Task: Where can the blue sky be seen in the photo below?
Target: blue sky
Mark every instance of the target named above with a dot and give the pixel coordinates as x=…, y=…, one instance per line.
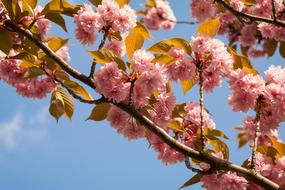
x=39, y=154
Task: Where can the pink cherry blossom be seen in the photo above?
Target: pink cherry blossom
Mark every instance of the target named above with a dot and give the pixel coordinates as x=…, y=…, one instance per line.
x=125, y=124
x=183, y=68
x=245, y=89
x=109, y=82
x=160, y=17
x=142, y=60
x=164, y=152
x=202, y=10
x=87, y=23
x=278, y=172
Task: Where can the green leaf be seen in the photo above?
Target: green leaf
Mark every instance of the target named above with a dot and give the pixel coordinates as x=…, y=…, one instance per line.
x=123, y=2
x=32, y=3
x=178, y=110
x=215, y=133
x=248, y=2
x=60, y=6
x=6, y=41
x=179, y=42
x=270, y=47
x=24, y=56
x=68, y=103
x=33, y=72
x=176, y=125
x=140, y=28
x=105, y=56
x=55, y=43
x=95, y=2
x=27, y=9
x=187, y=85
x=209, y=28
x=78, y=89
x=219, y=146
x=282, y=49
x=57, y=19
x=8, y=6
x=99, y=113
x=268, y=151
x=160, y=47
x=242, y=137
x=279, y=146
x=195, y=179
x=133, y=42
x=242, y=62
x=164, y=58
x=165, y=45
x=56, y=108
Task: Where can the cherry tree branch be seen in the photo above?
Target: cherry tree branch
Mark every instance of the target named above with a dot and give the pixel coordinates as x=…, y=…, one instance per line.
x=250, y=17
x=257, y=130
x=65, y=66
x=201, y=93
x=101, y=45
x=202, y=156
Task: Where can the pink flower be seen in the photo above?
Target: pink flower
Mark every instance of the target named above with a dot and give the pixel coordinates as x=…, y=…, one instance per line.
x=125, y=20
x=226, y=181
x=42, y=24
x=35, y=87
x=160, y=17
x=142, y=60
x=12, y=73
x=275, y=74
x=109, y=11
x=183, y=68
x=117, y=47
x=109, y=82
x=216, y=60
x=193, y=116
x=263, y=164
x=63, y=53
x=165, y=153
x=152, y=79
x=87, y=23
x=202, y=10
x=248, y=35
x=162, y=111
x=278, y=172
x=245, y=90
x=125, y=124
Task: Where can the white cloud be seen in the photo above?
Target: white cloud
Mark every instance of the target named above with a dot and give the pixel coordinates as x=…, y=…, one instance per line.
x=10, y=131
x=21, y=130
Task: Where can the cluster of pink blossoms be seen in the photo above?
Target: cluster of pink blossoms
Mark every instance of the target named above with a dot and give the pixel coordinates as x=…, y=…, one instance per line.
x=253, y=36
x=248, y=90
x=215, y=59
x=184, y=68
x=12, y=73
x=160, y=16
x=108, y=17
x=42, y=24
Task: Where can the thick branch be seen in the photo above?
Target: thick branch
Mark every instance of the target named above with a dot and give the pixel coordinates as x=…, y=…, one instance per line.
x=250, y=16
x=202, y=156
x=217, y=163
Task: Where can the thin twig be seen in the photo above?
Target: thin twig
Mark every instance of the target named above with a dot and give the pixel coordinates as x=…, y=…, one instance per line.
x=201, y=93
x=273, y=10
x=202, y=172
x=101, y=45
x=250, y=16
x=256, y=133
